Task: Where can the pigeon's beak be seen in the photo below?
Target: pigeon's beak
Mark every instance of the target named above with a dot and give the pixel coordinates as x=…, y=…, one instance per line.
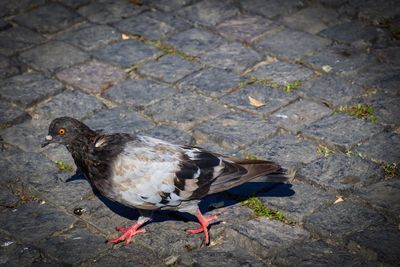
x=47, y=140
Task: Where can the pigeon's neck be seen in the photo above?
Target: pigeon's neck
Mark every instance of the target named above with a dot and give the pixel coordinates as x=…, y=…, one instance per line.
x=81, y=144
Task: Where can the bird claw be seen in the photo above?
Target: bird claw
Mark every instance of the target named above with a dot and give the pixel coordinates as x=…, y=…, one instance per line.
x=204, y=222
x=128, y=233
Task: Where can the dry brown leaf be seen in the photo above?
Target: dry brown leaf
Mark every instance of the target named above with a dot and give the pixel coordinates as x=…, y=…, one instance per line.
x=338, y=200
x=124, y=36
x=255, y=102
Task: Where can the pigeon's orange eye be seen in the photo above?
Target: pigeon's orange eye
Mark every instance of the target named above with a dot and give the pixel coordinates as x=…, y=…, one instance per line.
x=61, y=131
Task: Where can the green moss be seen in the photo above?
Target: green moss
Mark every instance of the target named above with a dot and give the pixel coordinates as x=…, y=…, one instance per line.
x=324, y=151
x=260, y=209
x=4, y=126
x=168, y=49
x=390, y=169
x=362, y=111
x=290, y=86
x=64, y=166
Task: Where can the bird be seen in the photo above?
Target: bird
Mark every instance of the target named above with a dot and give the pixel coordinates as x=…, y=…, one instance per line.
x=150, y=174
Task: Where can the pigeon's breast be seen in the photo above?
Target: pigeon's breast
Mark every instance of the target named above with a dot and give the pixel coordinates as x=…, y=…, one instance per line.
x=143, y=177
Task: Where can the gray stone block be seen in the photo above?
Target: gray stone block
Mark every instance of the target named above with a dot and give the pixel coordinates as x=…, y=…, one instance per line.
x=168, y=6
x=126, y=53
x=48, y=220
x=184, y=110
x=50, y=18
x=343, y=59
x=170, y=134
x=212, y=82
x=349, y=32
x=281, y=44
x=91, y=37
x=272, y=9
x=71, y=247
x=232, y=56
x=380, y=242
x=152, y=25
x=139, y=93
x=264, y=237
x=169, y=68
x=312, y=19
x=208, y=12
x=234, y=130
x=9, y=7
x=93, y=77
x=342, y=130
x=17, y=39
x=53, y=56
x=282, y=72
x=383, y=147
x=384, y=195
x=306, y=200
x=332, y=90
x=341, y=220
x=29, y=88
x=341, y=172
x=245, y=28
x=11, y=115
x=119, y=119
x=8, y=198
x=272, y=99
x=69, y=103
x=9, y=67
x=195, y=41
x=132, y=255
x=285, y=149
x=299, y=114
x=317, y=253
x=16, y=254
x=109, y=11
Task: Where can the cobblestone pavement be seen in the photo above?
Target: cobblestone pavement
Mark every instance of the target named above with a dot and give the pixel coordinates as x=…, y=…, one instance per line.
x=311, y=84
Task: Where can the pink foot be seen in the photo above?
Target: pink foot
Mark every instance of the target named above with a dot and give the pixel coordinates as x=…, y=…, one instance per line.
x=128, y=233
x=204, y=222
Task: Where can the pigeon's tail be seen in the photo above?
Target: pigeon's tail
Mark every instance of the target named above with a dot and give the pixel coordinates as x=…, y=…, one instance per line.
x=251, y=169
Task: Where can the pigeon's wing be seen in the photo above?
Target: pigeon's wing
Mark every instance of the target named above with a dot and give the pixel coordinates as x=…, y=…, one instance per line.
x=150, y=173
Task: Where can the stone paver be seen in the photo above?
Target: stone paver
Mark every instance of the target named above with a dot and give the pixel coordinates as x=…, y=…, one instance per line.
x=91, y=37
x=169, y=68
x=341, y=220
x=342, y=172
x=195, y=41
x=29, y=88
x=270, y=98
x=245, y=78
x=50, y=18
x=342, y=130
x=52, y=57
x=126, y=53
x=139, y=93
x=17, y=39
x=92, y=77
x=244, y=28
x=279, y=44
x=212, y=82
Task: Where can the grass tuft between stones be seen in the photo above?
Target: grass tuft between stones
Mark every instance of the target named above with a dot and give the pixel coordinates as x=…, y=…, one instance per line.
x=390, y=169
x=259, y=209
x=324, y=151
x=362, y=111
x=64, y=166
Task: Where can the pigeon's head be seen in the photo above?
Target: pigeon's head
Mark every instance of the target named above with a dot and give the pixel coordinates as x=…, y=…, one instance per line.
x=64, y=130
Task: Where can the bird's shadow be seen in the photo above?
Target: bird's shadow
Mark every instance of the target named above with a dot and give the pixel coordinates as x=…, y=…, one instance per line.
x=219, y=200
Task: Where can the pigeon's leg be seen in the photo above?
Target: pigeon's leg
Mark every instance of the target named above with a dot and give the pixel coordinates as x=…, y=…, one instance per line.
x=129, y=232
x=204, y=222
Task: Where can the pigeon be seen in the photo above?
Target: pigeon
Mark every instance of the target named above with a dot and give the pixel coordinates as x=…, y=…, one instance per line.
x=151, y=174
